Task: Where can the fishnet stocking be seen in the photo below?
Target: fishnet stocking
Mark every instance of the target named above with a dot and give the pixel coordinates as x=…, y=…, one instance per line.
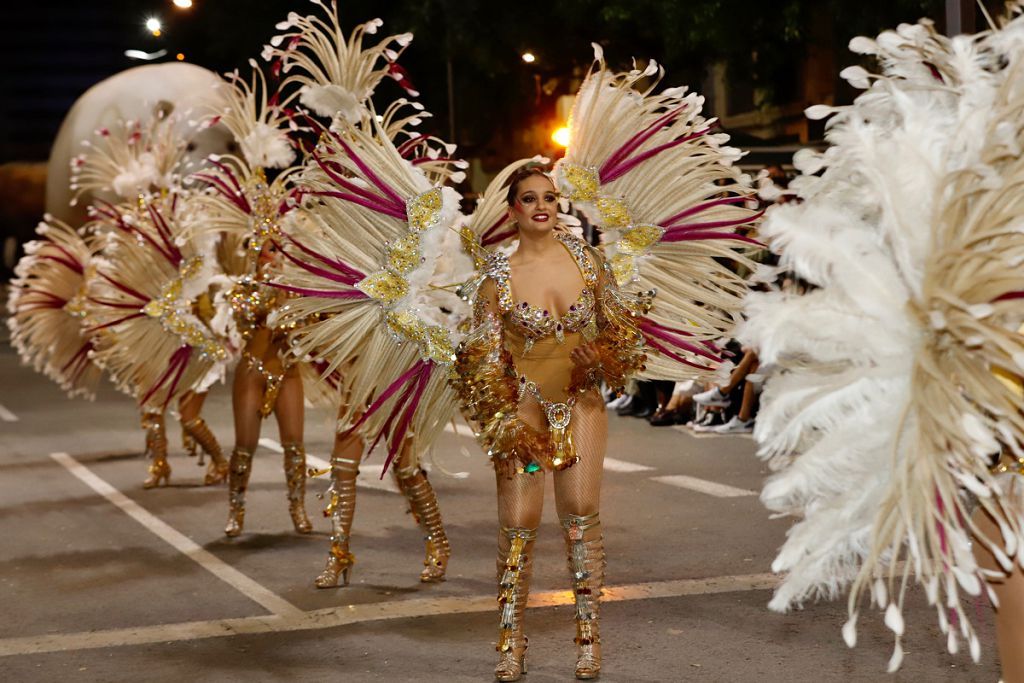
x=578, y=488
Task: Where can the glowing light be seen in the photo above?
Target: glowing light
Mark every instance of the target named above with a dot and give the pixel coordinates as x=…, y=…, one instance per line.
x=529, y=57
x=561, y=136
x=154, y=26
x=147, y=56
x=183, y=4
x=180, y=56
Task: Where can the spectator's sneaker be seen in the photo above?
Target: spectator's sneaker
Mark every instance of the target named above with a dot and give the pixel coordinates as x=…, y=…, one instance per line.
x=710, y=420
x=615, y=401
x=621, y=402
x=712, y=397
x=735, y=426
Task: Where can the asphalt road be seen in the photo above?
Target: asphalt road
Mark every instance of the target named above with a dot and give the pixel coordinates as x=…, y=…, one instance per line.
x=101, y=580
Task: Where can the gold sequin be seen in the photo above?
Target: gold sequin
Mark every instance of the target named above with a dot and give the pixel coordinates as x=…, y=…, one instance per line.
x=404, y=254
x=424, y=211
x=623, y=268
x=385, y=286
x=584, y=182
x=639, y=239
x=614, y=213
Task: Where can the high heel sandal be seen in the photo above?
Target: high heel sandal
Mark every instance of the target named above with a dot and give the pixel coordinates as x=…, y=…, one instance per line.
x=512, y=666
x=339, y=565
x=156, y=450
x=199, y=432
x=514, y=568
x=238, y=480
x=158, y=471
x=586, y=565
x=295, y=476
x=413, y=484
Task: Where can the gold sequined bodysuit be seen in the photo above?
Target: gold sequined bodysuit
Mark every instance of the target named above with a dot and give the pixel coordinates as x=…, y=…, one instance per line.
x=516, y=378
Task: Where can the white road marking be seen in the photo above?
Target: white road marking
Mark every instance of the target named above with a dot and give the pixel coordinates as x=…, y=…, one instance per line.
x=6, y=415
x=353, y=614
x=180, y=542
x=711, y=488
x=460, y=429
x=369, y=477
x=613, y=465
x=683, y=429
x=273, y=445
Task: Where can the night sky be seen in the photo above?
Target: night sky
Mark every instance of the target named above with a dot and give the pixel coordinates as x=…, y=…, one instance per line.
x=54, y=51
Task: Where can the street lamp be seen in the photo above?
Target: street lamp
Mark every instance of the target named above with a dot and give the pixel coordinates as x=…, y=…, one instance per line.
x=154, y=26
x=561, y=136
x=183, y=4
x=529, y=57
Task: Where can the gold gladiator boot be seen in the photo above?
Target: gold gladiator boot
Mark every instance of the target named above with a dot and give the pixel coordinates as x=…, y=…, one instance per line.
x=239, y=470
x=585, y=549
x=295, y=476
x=156, y=450
x=199, y=432
x=514, y=568
x=188, y=443
x=418, y=492
x=341, y=509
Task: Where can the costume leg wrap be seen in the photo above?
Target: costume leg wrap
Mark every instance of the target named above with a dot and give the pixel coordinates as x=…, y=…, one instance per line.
x=418, y=492
x=295, y=476
x=189, y=444
x=515, y=566
x=200, y=432
x=156, y=449
x=586, y=559
x=240, y=468
x=341, y=508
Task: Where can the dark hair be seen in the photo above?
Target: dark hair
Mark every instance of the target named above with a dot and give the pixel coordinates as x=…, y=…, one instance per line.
x=518, y=177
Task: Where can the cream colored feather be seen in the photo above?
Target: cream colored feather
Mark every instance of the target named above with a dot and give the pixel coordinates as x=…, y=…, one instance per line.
x=882, y=414
x=46, y=307
x=651, y=173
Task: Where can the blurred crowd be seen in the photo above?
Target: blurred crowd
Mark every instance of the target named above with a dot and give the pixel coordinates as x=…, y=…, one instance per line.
x=726, y=406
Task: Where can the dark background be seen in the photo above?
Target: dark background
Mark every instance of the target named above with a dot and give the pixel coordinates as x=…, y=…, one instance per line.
x=53, y=51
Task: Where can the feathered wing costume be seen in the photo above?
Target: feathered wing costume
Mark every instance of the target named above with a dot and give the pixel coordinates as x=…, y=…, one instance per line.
x=374, y=270
x=142, y=306
x=246, y=206
x=886, y=412
x=46, y=309
x=388, y=300
x=650, y=172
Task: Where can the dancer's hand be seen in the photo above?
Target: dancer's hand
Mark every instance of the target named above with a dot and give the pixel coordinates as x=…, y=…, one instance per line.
x=585, y=356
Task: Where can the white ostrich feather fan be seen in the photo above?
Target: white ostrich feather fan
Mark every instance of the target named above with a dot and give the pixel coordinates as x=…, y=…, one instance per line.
x=882, y=415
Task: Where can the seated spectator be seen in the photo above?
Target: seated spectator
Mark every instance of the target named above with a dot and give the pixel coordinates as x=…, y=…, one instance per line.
x=722, y=396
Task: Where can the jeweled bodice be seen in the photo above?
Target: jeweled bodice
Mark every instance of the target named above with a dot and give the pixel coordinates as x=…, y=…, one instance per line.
x=535, y=323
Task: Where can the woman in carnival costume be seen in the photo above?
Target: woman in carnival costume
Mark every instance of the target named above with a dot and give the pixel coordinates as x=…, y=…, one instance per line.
x=554, y=319
x=247, y=205
x=892, y=412
x=130, y=161
x=335, y=78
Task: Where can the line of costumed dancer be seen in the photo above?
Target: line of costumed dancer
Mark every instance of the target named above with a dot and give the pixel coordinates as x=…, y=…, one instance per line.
x=328, y=260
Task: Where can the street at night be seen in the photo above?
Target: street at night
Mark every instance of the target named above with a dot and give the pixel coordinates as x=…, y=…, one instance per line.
x=104, y=581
